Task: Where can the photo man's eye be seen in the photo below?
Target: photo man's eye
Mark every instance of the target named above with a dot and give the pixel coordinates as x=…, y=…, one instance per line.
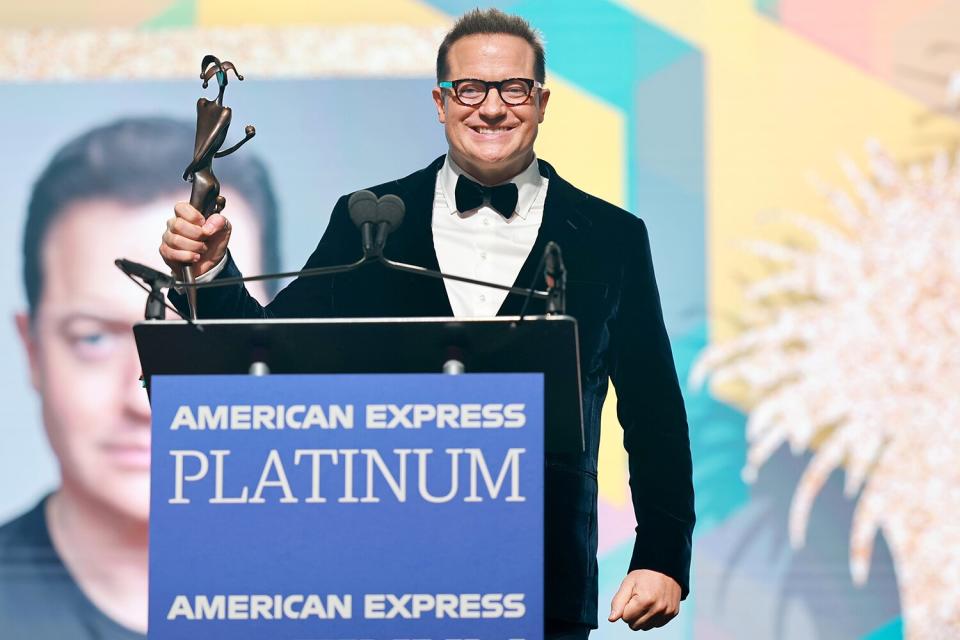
x=92, y=339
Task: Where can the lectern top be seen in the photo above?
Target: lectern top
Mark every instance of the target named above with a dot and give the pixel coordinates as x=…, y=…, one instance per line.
x=546, y=344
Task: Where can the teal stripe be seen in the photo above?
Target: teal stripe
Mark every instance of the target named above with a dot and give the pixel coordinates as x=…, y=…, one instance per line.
x=180, y=13
x=893, y=630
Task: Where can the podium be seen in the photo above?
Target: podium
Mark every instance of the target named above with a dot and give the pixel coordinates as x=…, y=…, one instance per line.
x=355, y=490
x=544, y=344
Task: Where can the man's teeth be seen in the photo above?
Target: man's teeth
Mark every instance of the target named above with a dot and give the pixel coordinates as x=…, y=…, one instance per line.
x=489, y=131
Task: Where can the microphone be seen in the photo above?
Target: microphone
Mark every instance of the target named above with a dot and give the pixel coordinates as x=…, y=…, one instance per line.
x=157, y=281
x=390, y=210
x=555, y=273
x=147, y=274
x=376, y=218
x=363, y=206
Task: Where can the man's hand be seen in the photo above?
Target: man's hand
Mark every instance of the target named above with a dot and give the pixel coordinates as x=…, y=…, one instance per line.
x=646, y=600
x=189, y=239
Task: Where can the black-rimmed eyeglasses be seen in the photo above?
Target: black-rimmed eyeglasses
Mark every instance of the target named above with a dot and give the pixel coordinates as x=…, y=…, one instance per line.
x=471, y=92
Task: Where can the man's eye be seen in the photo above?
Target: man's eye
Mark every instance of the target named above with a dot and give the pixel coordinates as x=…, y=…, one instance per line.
x=93, y=345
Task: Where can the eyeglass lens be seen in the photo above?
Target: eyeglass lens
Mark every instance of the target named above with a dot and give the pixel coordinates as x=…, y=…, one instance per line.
x=512, y=91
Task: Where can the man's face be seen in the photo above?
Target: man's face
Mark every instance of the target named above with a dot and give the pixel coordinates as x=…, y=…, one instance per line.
x=83, y=360
x=493, y=141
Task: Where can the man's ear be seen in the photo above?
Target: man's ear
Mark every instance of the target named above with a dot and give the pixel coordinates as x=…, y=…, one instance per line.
x=25, y=330
x=544, y=97
x=439, y=99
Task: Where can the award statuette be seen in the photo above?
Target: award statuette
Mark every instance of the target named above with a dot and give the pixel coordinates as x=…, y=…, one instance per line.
x=213, y=120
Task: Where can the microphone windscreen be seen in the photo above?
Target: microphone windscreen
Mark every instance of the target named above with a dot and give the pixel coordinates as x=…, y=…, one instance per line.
x=142, y=271
x=552, y=259
x=390, y=209
x=363, y=207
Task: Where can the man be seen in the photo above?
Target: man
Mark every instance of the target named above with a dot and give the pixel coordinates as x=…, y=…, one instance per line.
x=75, y=566
x=490, y=99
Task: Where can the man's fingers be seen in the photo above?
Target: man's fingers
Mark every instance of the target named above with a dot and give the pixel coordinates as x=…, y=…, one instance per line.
x=188, y=213
x=175, y=241
x=652, y=622
x=620, y=600
x=177, y=256
x=181, y=227
x=638, y=608
x=660, y=620
x=657, y=614
x=192, y=239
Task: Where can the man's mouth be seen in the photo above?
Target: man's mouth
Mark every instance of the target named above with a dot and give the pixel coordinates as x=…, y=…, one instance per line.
x=491, y=131
x=130, y=455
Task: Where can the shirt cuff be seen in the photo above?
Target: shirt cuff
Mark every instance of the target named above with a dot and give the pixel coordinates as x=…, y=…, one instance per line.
x=209, y=275
x=215, y=271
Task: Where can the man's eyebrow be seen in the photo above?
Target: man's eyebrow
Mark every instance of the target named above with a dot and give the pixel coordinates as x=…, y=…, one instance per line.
x=74, y=316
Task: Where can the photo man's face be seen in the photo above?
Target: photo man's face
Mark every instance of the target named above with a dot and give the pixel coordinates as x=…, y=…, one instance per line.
x=83, y=359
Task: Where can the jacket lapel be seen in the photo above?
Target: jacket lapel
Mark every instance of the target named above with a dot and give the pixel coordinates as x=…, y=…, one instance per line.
x=562, y=221
x=413, y=244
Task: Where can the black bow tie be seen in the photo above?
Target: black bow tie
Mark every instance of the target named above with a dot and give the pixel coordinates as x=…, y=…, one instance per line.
x=471, y=195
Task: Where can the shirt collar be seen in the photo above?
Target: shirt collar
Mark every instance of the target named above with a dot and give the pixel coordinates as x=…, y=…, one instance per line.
x=529, y=181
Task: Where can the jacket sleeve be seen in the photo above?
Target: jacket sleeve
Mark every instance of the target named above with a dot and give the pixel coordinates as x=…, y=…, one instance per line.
x=650, y=410
x=304, y=297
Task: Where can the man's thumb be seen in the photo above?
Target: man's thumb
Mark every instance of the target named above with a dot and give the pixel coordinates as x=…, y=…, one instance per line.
x=215, y=224
x=620, y=601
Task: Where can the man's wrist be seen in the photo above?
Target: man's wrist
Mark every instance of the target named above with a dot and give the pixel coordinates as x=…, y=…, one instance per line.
x=210, y=274
x=214, y=271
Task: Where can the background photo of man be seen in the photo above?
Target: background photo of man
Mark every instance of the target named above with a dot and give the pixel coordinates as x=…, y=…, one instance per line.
x=75, y=565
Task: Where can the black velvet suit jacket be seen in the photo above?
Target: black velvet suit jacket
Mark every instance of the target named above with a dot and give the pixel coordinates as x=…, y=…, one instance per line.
x=612, y=294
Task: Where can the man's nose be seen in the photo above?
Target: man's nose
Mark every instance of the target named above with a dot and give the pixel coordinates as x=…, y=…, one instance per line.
x=493, y=105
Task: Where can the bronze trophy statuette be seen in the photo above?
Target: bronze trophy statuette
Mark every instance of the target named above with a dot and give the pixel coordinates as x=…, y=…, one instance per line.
x=213, y=120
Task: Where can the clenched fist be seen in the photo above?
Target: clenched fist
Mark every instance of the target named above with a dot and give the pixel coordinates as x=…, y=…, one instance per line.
x=191, y=239
x=646, y=599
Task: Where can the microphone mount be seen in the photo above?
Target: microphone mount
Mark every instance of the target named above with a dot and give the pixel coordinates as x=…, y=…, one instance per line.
x=555, y=273
x=376, y=218
x=157, y=280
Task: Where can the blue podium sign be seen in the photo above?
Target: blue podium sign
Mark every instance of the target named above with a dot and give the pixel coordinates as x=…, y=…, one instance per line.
x=348, y=506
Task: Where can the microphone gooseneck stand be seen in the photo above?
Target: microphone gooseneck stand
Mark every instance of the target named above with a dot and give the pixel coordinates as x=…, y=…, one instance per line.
x=376, y=218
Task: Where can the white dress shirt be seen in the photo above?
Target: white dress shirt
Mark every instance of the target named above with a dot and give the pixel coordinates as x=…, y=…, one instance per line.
x=479, y=243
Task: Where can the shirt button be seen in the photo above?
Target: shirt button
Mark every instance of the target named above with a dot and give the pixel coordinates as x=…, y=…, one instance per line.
x=483, y=255
x=486, y=222
x=483, y=298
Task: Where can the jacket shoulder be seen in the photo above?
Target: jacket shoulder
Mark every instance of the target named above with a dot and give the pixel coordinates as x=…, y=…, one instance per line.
x=607, y=219
x=409, y=182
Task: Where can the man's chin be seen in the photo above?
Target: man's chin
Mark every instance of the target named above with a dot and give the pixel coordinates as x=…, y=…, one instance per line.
x=492, y=159
x=136, y=512
x=132, y=503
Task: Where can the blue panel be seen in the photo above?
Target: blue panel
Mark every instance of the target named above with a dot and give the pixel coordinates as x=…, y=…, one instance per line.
x=717, y=440
x=667, y=185
x=669, y=123
x=388, y=494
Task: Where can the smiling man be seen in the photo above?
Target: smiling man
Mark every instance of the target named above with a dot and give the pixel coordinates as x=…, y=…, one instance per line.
x=75, y=566
x=486, y=210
